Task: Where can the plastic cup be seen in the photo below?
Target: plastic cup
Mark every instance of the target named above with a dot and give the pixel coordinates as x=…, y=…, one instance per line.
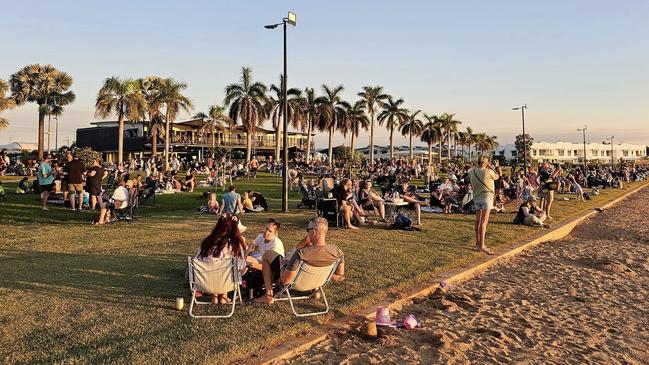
x=180, y=304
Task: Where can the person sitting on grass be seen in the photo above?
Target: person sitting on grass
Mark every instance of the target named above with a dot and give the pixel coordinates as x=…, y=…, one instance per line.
x=258, y=201
x=190, y=181
x=225, y=241
x=119, y=200
x=343, y=194
x=530, y=215
x=408, y=195
x=231, y=202
x=312, y=250
x=23, y=186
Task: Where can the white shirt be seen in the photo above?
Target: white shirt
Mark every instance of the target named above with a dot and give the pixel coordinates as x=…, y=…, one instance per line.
x=121, y=194
x=262, y=246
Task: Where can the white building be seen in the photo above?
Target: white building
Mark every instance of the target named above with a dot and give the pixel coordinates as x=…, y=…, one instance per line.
x=383, y=152
x=574, y=152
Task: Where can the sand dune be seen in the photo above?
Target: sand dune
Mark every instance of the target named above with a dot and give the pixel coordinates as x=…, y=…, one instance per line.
x=583, y=299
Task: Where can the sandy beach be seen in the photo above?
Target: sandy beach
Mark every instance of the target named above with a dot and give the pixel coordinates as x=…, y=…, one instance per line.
x=583, y=299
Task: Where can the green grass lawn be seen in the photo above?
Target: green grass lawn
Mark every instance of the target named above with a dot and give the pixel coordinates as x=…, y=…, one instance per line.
x=72, y=292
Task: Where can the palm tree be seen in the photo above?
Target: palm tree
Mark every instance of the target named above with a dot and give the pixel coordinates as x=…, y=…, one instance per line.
x=450, y=126
x=461, y=138
x=247, y=101
x=174, y=102
x=480, y=142
x=435, y=126
x=311, y=110
x=120, y=97
x=412, y=126
x=6, y=103
x=372, y=96
x=469, y=139
x=275, y=109
x=355, y=120
x=200, y=115
x=150, y=88
x=215, y=120
x=430, y=134
x=392, y=116
x=330, y=113
x=39, y=84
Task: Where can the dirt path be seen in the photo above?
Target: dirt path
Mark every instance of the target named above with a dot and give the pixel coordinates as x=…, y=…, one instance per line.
x=583, y=299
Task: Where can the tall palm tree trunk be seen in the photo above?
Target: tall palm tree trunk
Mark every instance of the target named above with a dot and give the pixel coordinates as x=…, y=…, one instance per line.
x=167, y=137
x=331, y=148
x=308, y=139
x=439, y=145
x=154, y=144
x=372, y=139
x=411, y=146
x=120, y=139
x=448, y=145
x=249, y=146
x=430, y=154
x=352, y=145
x=278, y=133
x=41, y=132
x=391, y=144
x=213, y=139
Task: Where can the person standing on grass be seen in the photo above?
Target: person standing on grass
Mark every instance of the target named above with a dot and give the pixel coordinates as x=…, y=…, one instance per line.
x=482, y=178
x=95, y=175
x=45, y=179
x=74, y=170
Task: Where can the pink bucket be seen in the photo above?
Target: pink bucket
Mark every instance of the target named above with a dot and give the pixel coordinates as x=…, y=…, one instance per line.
x=383, y=316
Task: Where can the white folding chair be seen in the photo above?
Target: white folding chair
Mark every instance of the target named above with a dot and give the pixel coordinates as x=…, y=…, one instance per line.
x=220, y=276
x=308, y=278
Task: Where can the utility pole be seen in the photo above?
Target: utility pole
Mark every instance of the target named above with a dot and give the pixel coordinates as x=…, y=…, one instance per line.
x=583, y=130
x=522, y=108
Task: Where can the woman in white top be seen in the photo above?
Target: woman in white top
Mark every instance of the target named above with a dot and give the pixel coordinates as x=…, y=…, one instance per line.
x=483, y=177
x=225, y=241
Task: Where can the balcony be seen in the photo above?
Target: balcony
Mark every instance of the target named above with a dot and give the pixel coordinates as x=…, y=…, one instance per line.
x=206, y=141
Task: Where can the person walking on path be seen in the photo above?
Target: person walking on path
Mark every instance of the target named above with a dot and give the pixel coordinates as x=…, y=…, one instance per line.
x=482, y=178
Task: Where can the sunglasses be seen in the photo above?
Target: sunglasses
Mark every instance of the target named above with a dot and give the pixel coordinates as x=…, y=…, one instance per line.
x=310, y=229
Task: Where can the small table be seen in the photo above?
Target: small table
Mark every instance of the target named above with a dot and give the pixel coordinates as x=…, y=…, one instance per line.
x=392, y=208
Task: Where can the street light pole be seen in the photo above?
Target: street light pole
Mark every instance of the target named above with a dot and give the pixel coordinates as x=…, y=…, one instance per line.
x=291, y=19
x=522, y=108
x=285, y=137
x=612, y=158
x=584, y=133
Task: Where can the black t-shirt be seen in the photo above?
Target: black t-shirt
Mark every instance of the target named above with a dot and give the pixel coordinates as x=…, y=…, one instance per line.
x=95, y=181
x=339, y=193
x=74, y=170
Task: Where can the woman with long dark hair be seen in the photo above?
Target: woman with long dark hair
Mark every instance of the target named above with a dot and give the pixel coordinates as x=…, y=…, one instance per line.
x=225, y=241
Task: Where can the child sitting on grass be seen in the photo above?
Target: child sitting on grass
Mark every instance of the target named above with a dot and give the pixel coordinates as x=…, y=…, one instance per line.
x=212, y=206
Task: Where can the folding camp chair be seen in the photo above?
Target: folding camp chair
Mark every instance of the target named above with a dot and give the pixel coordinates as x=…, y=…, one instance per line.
x=221, y=276
x=308, y=278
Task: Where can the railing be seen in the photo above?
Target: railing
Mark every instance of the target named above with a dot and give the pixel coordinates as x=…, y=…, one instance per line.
x=206, y=141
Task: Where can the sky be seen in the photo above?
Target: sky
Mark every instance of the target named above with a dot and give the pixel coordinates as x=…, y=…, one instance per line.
x=574, y=63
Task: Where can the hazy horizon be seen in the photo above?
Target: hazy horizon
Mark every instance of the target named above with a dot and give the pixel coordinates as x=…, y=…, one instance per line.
x=573, y=63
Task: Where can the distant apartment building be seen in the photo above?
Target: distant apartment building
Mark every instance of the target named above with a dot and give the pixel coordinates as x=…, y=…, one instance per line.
x=188, y=138
x=574, y=152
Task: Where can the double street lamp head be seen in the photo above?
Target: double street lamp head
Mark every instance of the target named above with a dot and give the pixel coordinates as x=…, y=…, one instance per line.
x=520, y=107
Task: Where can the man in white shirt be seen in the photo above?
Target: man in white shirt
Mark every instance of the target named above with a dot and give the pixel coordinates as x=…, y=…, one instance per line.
x=268, y=246
x=267, y=258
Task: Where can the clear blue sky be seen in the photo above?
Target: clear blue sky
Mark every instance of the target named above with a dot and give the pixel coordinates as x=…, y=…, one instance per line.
x=572, y=62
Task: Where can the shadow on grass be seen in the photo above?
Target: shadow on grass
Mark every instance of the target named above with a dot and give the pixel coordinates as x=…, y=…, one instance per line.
x=125, y=280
